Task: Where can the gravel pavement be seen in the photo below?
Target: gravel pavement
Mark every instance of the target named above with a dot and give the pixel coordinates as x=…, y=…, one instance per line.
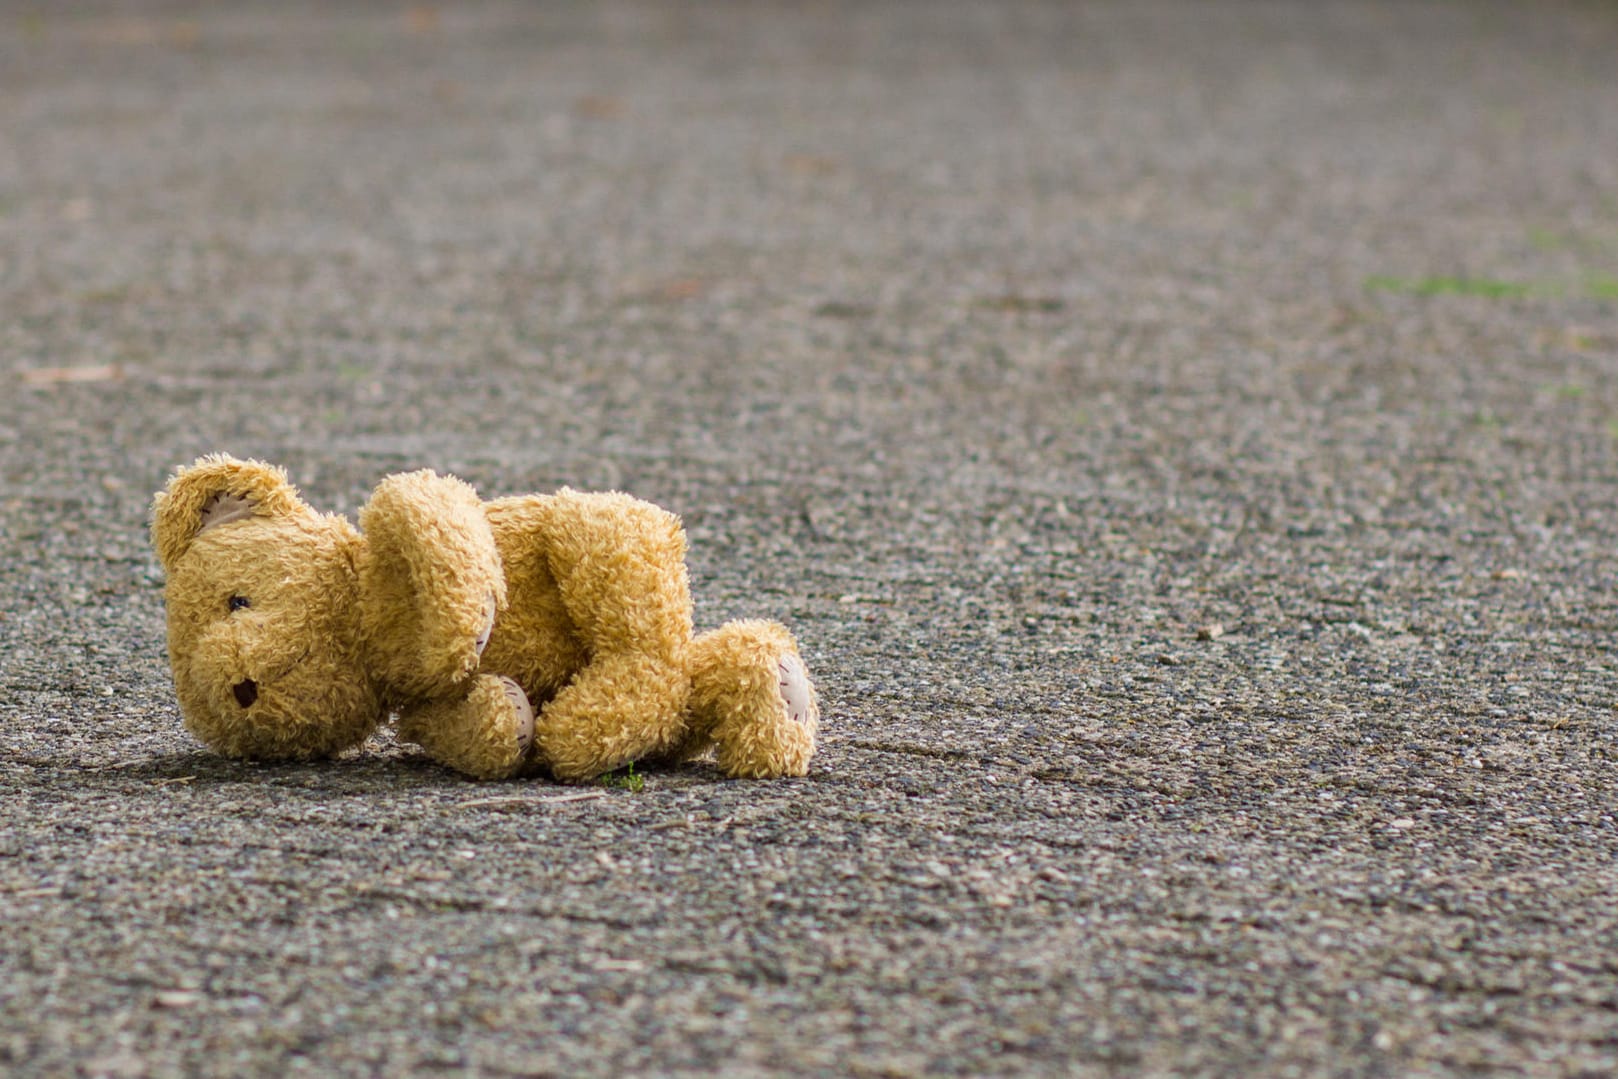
x=1184, y=437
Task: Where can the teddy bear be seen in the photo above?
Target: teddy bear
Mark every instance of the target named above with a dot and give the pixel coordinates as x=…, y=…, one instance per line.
x=546, y=632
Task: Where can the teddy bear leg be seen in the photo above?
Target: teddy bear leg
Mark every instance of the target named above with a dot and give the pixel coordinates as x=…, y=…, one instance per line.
x=750, y=692
x=485, y=734
x=620, y=708
x=619, y=566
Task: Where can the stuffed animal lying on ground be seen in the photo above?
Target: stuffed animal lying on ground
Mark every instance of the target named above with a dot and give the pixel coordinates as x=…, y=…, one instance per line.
x=542, y=632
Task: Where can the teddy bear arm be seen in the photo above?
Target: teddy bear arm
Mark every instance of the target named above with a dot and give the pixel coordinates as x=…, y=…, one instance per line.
x=431, y=583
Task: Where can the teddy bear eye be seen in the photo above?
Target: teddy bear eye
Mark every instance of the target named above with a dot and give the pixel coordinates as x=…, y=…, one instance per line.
x=239, y=603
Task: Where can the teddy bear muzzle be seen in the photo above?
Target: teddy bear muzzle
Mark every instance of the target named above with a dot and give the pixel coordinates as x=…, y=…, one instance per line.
x=291, y=711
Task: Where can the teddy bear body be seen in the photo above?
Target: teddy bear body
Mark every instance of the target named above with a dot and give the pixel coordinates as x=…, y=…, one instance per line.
x=544, y=631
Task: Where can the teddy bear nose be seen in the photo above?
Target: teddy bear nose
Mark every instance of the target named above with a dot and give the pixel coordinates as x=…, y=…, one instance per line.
x=245, y=691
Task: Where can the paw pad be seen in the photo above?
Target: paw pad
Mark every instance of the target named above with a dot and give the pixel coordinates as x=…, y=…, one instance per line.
x=489, y=611
x=795, y=691
x=525, y=713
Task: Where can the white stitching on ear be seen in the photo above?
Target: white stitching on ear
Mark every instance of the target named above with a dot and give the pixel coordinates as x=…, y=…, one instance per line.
x=224, y=508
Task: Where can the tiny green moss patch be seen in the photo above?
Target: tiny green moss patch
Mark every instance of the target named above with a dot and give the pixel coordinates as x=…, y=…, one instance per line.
x=1602, y=287
x=1487, y=287
x=628, y=779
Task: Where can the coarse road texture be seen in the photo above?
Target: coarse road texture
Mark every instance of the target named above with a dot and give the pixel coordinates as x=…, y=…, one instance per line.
x=1183, y=435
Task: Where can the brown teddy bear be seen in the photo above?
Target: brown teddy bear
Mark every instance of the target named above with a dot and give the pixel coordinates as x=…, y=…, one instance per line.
x=545, y=631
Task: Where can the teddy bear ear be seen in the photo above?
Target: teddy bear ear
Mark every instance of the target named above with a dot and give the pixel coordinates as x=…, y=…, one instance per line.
x=216, y=490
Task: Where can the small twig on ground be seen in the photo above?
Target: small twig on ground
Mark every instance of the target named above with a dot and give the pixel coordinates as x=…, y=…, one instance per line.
x=50, y=376
x=518, y=802
x=35, y=893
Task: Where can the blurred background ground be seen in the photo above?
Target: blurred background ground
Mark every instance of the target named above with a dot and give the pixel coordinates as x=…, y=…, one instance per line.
x=1184, y=437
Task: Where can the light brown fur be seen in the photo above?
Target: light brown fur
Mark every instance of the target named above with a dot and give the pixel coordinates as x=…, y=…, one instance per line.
x=333, y=628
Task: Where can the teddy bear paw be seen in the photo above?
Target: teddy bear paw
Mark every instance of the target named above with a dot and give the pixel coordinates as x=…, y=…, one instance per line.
x=525, y=713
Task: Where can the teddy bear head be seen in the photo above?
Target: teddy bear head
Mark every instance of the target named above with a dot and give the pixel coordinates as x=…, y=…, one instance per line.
x=264, y=620
x=291, y=633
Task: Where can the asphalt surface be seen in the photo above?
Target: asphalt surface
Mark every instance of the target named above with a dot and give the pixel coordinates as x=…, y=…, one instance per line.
x=1183, y=436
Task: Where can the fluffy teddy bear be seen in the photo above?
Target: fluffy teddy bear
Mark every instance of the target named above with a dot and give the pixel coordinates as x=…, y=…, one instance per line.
x=547, y=631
